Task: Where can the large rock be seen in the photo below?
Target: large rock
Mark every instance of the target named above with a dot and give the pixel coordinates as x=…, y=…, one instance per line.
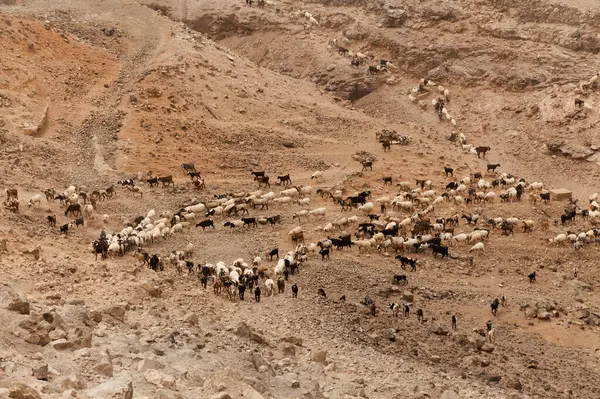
x=61, y=344
x=19, y=305
x=149, y=288
x=17, y=390
x=438, y=329
x=36, y=331
x=449, y=394
x=117, y=388
x=408, y=296
x=251, y=393
x=320, y=357
x=40, y=372
x=160, y=379
x=149, y=364
x=487, y=347
x=105, y=366
x=191, y=318
x=543, y=314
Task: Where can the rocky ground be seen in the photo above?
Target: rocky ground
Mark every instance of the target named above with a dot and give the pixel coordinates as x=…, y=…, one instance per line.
x=95, y=91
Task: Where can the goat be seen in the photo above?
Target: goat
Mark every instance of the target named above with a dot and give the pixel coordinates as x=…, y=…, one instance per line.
x=262, y=180
x=51, y=220
x=285, y=180
x=273, y=252
x=448, y=171
x=482, y=150
x=531, y=277
x=492, y=167
x=387, y=179
x=166, y=180
x=73, y=209
x=206, y=223
x=366, y=164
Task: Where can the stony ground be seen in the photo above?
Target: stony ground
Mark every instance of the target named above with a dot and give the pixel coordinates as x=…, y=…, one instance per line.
x=95, y=91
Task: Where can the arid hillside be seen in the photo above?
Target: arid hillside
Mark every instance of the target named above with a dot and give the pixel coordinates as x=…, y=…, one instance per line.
x=96, y=92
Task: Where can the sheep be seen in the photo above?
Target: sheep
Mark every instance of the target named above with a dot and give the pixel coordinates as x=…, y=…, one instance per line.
x=363, y=244
x=304, y=190
x=283, y=200
x=300, y=214
x=477, y=247
x=367, y=207
x=559, y=239
x=303, y=202
x=536, y=186
x=35, y=201
x=317, y=175
x=290, y=192
x=318, y=212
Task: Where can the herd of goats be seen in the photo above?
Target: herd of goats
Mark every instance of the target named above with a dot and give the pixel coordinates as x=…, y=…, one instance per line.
x=402, y=223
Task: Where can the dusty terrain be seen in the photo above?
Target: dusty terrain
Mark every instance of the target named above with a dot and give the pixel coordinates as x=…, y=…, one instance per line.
x=96, y=91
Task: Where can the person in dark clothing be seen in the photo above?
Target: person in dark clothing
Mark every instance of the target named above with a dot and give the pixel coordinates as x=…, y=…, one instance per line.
x=294, y=291
x=203, y=281
x=454, y=322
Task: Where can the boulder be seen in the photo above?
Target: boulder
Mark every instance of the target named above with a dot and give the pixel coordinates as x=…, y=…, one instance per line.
x=73, y=381
x=408, y=296
x=160, y=379
x=150, y=289
x=61, y=344
x=149, y=364
x=487, y=347
x=320, y=357
x=116, y=388
x=438, y=329
x=191, y=318
x=19, y=305
x=251, y=393
x=543, y=314
x=40, y=372
x=221, y=395
x=17, y=390
x=242, y=330
x=105, y=366
x=449, y=394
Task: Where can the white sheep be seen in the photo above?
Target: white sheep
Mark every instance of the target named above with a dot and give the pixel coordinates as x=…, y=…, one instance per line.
x=422, y=104
x=317, y=175
x=283, y=200
x=367, y=207
x=35, y=201
x=318, y=212
x=151, y=213
x=105, y=218
x=300, y=214
x=290, y=192
x=559, y=239
x=189, y=249
x=412, y=98
x=303, y=202
x=477, y=247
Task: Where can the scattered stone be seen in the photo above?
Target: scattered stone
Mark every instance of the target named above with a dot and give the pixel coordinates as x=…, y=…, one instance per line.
x=408, y=296
x=149, y=364
x=487, y=347
x=251, y=393
x=117, y=388
x=320, y=357
x=61, y=344
x=19, y=305
x=191, y=318
x=221, y=395
x=17, y=390
x=449, y=394
x=160, y=379
x=296, y=384
x=40, y=372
